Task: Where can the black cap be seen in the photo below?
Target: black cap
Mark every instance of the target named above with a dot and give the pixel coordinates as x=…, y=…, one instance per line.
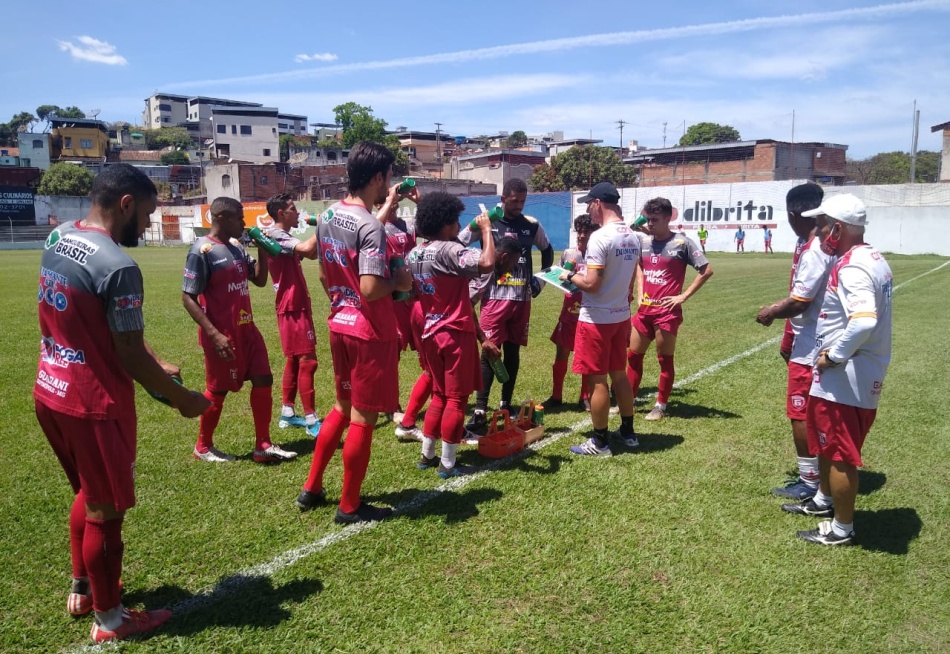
x=603, y=191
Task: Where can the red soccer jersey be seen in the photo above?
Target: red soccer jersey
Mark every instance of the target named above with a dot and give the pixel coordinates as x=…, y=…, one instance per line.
x=441, y=271
x=664, y=267
x=287, y=274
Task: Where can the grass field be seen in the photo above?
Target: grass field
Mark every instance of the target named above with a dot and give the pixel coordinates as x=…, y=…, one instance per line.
x=677, y=547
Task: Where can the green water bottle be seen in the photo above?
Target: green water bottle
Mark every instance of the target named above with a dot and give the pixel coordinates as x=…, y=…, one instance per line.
x=498, y=367
x=162, y=398
x=270, y=246
x=639, y=222
x=407, y=185
x=395, y=263
x=497, y=213
x=569, y=265
x=539, y=414
x=326, y=217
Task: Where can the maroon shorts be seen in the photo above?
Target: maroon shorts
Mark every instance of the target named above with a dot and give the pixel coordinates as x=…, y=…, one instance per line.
x=505, y=321
x=416, y=325
x=453, y=361
x=297, y=335
x=599, y=349
x=647, y=323
x=366, y=373
x=98, y=456
x=796, y=397
x=565, y=330
x=250, y=360
x=837, y=431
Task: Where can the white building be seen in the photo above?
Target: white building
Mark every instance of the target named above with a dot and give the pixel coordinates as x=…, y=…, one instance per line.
x=291, y=124
x=245, y=133
x=34, y=150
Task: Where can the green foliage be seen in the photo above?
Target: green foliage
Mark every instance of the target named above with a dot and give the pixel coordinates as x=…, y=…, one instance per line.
x=359, y=124
x=175, y=158
x=517, y=139
x=893, y=168
x=581, y=167
x=9, y=131
x=709, y=133
x=164, y=137
x=286, y=140
x=66, y=179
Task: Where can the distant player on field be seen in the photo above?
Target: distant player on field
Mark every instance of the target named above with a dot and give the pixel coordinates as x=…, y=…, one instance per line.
x=294, y=314
x=810, y=267
x=767, y=237
x=702, y=233
x=92, y=347
x=215, y=294
x=660, y=312
x=740, y=239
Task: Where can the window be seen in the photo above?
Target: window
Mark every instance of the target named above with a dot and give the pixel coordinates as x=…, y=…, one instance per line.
x=68, y=142
x=25, y=163
x=282, y=125
x=225, y=181
x=234, y=129
x=166, y=119
x=37, y=144
x=263, y=180
x=331, y=156
x=85, y=143
x=164, y=107
x=222, y=129
x=245, y=130
x=266, y=152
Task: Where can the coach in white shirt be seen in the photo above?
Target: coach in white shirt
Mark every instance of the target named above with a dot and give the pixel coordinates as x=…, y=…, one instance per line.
x=853, y=341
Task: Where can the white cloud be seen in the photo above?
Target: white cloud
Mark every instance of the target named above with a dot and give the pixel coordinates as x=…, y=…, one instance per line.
x=90, y=49
x=319, y=56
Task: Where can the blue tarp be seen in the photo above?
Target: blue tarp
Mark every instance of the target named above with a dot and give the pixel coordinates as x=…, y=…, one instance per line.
x=553, y=211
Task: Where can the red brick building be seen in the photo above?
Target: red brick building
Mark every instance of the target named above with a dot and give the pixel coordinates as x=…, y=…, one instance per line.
x=257, y=182
x=742, y=161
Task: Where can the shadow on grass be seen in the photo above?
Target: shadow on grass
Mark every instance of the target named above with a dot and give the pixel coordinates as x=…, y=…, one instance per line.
x=235, y=601
x=678, y=409
x=868, y=481
x=649, y=443
x=887, y=530
x=454, y=506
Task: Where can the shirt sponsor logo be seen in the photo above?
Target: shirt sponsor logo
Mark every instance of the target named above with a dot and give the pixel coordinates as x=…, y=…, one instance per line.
x=75, y=249
x=128, y=302
x=655, y=276
x=344, y=222
x=60, y=356
x=342, y=296
x=218, y=262
x=239, y=287
x=52, y=384
x=190, y=274
x=628, y=254
x=245, y=317
x=50, y=291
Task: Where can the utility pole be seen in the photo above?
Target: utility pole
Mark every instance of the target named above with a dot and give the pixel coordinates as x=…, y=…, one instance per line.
x=664, y=133
x=438, y=147
x=913, y=145
x=621, y=122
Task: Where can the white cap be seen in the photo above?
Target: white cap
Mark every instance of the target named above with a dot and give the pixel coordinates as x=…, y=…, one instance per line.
x=845, y=208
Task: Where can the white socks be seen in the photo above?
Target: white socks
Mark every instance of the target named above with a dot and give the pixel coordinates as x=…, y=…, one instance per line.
x=821, y=500
x=449, y=451
x=808, y=470
x=311, y=419
x=841, y=529
x=428, y=447
x=112, y=619
x=286, y=411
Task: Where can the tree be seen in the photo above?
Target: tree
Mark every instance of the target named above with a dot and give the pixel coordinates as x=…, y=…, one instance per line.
x=9, y=131
x=893, y=168
x=167, y=137
x=66, y=179
x=359, y=124
x=581, y=167
x=708, y=133
x=175, y=158
x=517, y=139
x=285, y=141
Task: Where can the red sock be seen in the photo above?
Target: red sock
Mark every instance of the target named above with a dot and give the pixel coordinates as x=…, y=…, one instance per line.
x=288, y=383
x=667, y=375
x=559, y=370
x=262, y=408
x=421, y=391
x=209, y=421
x=453, y=419
x=77, y=526
x=432, y=427
x=356, y=452
x=635, y=371
x=329, y=439
x=102, y=549
x=308, y=368
x=585, y=388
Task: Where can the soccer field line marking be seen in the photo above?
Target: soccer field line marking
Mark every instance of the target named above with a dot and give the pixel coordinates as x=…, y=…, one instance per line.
x=236, y=581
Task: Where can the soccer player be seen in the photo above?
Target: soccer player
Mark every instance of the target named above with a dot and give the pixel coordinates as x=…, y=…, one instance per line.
x=215, y=294
x=603, y=326
x=441, y=271
x=767, y=236
x=664, y=259
x=810, y=267
x=740, y=239
x=506, y=309
x=92, y=347
x=702, y=234
x=294, y=314
x=563, y=336
x=854, y=350
x=354, y=271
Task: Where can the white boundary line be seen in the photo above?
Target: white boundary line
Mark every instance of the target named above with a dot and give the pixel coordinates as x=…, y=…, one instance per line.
x=235, y=582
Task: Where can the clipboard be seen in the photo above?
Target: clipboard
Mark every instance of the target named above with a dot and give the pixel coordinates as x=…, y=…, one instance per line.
x=551, y=276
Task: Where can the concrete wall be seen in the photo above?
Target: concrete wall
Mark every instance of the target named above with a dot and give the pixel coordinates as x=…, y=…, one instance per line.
x=38, y=157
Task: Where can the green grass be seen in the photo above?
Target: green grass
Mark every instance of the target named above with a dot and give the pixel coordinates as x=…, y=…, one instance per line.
x=676, y=548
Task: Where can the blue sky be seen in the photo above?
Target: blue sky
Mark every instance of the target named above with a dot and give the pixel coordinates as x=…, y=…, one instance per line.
x=849, y=69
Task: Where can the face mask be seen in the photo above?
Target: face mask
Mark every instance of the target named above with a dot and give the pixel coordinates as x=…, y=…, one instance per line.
x=830, y=245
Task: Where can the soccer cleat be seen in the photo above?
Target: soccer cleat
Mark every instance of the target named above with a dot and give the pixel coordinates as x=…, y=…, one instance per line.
x=366, y=513
x=584, y=404
x=552, y=402
x=292, y=421
x=455, y=471
x=273, y=454
x=398, y=416
x=478, y=421
x=470, y=437
x=825, y=535
x=426, y=462
x=808, y=507
x=589, y=448
x=656, y=413
x=80, y=603
x=212, y=455
x=795, y=490
x=314, y=430
x=133, y=622
x=308, y=500
x=408, y=434
x=629, y=438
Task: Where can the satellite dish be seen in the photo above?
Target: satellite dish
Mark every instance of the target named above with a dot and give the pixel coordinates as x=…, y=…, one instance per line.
x=209, y=141
x=230, y=159
x=299, y=158
x=93, y=113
